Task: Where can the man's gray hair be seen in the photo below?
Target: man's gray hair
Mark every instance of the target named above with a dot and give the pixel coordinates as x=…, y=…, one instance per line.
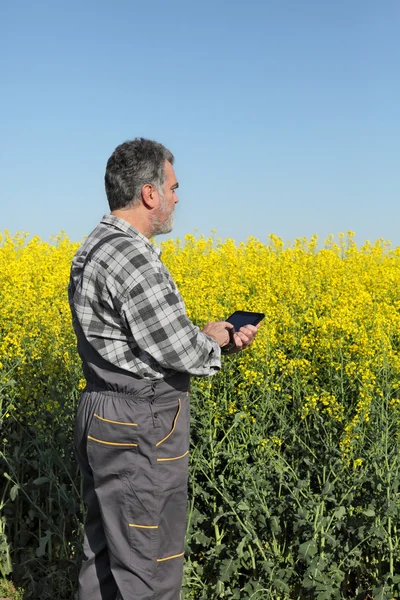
x=132, y=165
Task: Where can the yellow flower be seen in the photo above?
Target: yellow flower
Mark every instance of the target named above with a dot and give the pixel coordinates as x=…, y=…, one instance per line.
x=331, y=327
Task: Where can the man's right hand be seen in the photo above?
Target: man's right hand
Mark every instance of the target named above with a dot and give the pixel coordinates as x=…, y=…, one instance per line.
x=219, y=332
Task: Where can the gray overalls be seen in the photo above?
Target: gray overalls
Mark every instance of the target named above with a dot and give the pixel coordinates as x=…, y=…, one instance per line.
x=132, y=445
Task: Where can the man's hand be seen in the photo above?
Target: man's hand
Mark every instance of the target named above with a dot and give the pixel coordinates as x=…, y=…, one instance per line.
x=219, y=332
x=244, y=337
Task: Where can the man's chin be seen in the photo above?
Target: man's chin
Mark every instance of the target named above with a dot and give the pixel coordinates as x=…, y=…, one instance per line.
x=168, y=229
x=165, y=228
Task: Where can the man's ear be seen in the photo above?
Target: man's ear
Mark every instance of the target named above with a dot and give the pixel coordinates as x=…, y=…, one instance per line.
x=149, y=195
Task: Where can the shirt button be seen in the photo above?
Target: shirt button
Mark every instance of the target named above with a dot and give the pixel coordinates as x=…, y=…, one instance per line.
x=156, y=415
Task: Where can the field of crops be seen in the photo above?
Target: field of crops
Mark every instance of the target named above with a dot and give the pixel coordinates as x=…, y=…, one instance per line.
x=295, y=462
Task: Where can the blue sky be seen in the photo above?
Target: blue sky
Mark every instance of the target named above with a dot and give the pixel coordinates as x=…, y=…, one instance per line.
x=283, y=115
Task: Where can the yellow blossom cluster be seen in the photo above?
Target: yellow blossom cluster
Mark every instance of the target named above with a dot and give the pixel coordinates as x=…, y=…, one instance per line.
x=37, y=345
x=330, y=339
x=328, y=345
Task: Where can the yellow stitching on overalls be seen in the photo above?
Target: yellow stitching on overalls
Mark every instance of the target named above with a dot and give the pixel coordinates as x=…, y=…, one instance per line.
x=169, y=557
x=143, y=526
x=108, y=443
x=116, y=422
x=173, y=457
x=173, y=426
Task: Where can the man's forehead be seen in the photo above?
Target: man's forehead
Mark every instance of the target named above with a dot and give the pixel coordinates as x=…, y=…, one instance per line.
x=169, y=172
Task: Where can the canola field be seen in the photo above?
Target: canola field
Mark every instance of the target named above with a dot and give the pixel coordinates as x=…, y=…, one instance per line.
x=295, y=445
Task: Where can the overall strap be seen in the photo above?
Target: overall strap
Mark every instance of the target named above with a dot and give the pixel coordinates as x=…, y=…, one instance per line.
x=93, y=250
x=100, y=243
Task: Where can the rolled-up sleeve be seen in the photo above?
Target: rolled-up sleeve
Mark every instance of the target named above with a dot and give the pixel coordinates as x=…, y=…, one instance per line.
x=155, y=315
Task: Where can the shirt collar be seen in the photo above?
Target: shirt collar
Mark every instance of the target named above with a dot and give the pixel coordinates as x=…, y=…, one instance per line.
x=122, y=225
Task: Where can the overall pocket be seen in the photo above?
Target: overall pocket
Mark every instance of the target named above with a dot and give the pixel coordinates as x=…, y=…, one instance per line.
x=172, y=447
x=142, y=510
x=172, y=527
x=112, y=438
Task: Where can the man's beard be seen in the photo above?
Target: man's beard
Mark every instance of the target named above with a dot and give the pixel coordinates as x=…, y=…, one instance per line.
x=160, y=224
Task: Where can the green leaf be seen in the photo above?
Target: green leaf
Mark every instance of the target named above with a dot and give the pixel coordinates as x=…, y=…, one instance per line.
x=281, y=585
x=308, y=550
x=14, y=492
x=339, y=512
x=228, y=566
x=302, y=484
x=328, y=488
x=369, y=512
x=275, y=527
x=43, y=543
x=40, y=480
x=303, y=513
x=240, y=547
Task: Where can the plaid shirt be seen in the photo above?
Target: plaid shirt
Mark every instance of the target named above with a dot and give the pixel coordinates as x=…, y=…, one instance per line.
x=130, y=309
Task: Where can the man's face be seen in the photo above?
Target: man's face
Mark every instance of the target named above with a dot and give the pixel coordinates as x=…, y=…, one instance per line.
x=163, y=221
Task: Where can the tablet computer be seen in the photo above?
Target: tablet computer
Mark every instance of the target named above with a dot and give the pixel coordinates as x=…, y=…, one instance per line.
x=240, y=318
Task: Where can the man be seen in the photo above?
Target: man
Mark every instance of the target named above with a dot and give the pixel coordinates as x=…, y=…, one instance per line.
x=138, y=351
